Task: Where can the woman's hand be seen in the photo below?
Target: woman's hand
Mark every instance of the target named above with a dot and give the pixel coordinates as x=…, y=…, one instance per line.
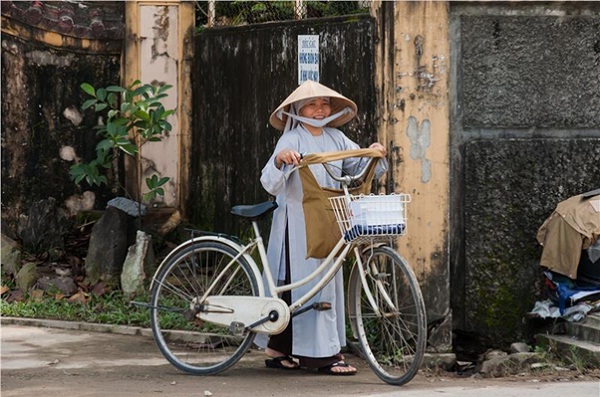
x=379, y=147
x=287, y=156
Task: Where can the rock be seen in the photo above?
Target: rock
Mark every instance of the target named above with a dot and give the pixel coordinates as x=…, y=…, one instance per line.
x=494, y=367
x=27, y=277
x=494, y=353
x=66, y=285
x=10, y=256
x=503, y=365
x=128, y=206
x=45, y=227
x=519, y=347
x=108, y=247
x=524, y=359
x=63, y=272
x=136, y=264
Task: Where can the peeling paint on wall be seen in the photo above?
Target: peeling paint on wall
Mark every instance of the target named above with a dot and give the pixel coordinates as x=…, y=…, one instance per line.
x=161, y=33
x=38, y=57
x=73, y=114
x=159, y=51
x=80, y=202
x=67, y=153
x=420, y=139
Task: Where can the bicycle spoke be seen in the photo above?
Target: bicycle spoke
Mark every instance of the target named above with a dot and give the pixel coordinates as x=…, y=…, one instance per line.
x=393, y=336
x=188, y=342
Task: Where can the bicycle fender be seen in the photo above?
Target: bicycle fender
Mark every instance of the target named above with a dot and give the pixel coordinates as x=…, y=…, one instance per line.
x=226, y=241
x=366, y=248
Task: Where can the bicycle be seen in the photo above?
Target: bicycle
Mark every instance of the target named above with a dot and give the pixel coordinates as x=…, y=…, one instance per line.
x=208, y=296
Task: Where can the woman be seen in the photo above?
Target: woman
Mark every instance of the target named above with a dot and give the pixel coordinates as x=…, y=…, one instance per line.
x=307, y=118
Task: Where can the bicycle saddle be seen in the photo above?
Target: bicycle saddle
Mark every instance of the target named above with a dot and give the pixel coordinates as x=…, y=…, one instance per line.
x=255, y=211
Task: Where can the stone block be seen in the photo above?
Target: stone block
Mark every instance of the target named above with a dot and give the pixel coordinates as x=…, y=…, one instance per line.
x=138, y=265
x=108, y=246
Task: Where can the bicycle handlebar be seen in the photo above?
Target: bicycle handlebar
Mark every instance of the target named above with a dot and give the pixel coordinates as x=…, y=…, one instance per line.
x=326, y=157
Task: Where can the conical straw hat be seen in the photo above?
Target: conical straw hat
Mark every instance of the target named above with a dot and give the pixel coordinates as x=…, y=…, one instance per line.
x=312, y=89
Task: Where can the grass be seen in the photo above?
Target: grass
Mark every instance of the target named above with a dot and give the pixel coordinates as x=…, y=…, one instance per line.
x=567, y=357
x=110, y=308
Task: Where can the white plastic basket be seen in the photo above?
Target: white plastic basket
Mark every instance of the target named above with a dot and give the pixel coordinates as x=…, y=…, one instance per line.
x=370, y=217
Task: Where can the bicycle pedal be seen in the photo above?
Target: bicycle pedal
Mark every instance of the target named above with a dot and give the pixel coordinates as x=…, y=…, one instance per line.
x=321, y=306
x=236, y=328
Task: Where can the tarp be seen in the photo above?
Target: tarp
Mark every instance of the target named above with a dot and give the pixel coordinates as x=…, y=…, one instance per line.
x=572, y=227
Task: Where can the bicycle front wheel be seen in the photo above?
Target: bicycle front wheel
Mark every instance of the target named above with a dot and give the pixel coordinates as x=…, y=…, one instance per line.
x=392, y=330
x=187, y=342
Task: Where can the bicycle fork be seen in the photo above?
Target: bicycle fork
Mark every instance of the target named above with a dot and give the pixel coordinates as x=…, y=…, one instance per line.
x=378, y=282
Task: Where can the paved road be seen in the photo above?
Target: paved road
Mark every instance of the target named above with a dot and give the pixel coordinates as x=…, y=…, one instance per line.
x=51, y=362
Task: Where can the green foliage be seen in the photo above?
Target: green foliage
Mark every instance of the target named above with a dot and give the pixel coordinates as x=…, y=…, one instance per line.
x=155, y=185
x=260, y=11
x=111, y=308
x=332, y=8
x=240, y=12
x=134, y=116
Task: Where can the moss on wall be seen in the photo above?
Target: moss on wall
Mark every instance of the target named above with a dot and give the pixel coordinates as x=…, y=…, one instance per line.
x=41, y=115
x=512, y=186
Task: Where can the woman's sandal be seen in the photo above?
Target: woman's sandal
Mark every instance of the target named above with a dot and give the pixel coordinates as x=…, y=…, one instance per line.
x=276, y=363
x=328, y=370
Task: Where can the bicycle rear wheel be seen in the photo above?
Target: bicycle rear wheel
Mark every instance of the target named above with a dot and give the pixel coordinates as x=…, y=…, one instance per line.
x=190, y=344
x=392, y=338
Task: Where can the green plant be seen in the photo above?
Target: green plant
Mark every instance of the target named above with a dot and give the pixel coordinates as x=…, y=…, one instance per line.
x=111, y=308
x=134, y=116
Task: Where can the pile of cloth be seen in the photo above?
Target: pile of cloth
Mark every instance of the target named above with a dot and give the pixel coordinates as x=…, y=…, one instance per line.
x=570, y=238
x=568, y=299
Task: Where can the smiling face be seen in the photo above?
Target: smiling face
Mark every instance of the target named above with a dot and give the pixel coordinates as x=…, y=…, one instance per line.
x=317, y=108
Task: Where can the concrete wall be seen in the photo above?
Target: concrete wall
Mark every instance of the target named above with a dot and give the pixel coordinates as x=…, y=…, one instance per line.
x=525, y=134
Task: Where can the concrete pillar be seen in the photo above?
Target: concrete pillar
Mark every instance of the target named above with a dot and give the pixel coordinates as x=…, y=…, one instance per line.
x=159, y=48
x=412, y=61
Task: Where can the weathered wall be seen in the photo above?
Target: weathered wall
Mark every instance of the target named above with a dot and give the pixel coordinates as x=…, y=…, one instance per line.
x=159, y=49
x=241, y=75
x=412, y=83
x=525, y=135
x=43, y=128
x=48, y=50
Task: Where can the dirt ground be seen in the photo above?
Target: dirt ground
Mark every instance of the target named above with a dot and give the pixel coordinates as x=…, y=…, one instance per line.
x=60, y=363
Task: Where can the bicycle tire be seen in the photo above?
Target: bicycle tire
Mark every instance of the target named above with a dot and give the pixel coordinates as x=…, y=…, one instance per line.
x=192, y=345
x=394, y=341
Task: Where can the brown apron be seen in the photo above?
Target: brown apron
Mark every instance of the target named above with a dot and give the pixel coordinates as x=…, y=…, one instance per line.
x=322, y=231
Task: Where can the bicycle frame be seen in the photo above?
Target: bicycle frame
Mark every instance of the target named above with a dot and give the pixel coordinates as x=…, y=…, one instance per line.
x=218, y=282
x=337, y=257
x=333, y=261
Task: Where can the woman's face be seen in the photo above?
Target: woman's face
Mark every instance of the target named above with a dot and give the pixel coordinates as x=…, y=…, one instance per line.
x=317, y=108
